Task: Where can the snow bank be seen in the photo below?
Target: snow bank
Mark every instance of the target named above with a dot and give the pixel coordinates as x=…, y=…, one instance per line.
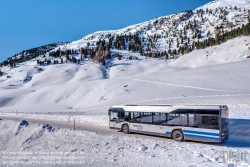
x=90, y=149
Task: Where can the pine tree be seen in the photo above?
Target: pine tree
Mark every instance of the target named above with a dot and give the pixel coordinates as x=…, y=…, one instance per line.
x=208, y=33
x=169, y=51
x=1, y=73
x=67, y=57
x=166, y=56
x=92, y=55
x=199, y=36
x=73, y=59
x=81, y=52
x=174, y=52
x=48, y=62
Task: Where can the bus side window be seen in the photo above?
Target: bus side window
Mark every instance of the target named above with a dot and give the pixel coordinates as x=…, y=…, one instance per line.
x=121, y=116
x=171, y=119
x=159, y=118
x=210, y=122
x=146, y=117
x=127, y=116
x=156, y=118
x=192, y=121
x=135, y=117
x=177, y=119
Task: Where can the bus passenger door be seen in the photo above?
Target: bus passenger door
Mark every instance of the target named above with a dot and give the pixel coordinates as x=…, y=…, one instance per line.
x=116, y=119
x=157, y=126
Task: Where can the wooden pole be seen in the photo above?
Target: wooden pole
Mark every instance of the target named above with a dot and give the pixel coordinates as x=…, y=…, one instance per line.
x=74, y=124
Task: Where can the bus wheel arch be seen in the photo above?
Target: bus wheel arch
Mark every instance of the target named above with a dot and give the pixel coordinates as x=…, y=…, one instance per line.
x=125, y=128
x=177, y=135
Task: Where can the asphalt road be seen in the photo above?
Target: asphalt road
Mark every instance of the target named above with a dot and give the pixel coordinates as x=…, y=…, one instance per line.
x=104, y=130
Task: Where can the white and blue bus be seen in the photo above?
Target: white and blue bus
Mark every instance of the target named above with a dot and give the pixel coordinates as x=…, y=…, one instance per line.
x=198, y=123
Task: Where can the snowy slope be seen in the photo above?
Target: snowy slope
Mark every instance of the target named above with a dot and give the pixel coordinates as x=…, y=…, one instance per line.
x=89, y=86
x=231, y=51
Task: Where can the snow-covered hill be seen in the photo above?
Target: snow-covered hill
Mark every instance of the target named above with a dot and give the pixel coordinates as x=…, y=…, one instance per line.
x=213, y=75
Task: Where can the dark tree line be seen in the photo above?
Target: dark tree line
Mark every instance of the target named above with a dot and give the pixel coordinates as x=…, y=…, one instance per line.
x=126, y=42
x=30, y=54
x=224, y=36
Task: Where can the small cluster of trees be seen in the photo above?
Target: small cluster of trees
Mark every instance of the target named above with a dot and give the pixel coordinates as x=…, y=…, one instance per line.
x=60, y=52
x=48, y=62
x=29, y=54
x=72, y=59
x=126, y=42
x=101, y=52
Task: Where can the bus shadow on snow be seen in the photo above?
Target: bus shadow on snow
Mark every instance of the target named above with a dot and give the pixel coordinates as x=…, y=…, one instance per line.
x=239, y=133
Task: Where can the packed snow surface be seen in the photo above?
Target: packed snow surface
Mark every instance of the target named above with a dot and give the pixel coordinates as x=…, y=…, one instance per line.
x=44, y=146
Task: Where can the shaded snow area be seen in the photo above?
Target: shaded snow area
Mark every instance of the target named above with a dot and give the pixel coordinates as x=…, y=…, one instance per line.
x=91, y=149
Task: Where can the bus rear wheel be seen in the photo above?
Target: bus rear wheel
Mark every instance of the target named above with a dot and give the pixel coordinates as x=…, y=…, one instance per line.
x=177, y=135
x=125, y=129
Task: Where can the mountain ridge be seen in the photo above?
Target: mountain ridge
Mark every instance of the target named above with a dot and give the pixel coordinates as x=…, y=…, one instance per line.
x=168, y=36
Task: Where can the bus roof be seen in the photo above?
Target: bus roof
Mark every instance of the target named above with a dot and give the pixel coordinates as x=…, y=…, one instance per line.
x=164, y=108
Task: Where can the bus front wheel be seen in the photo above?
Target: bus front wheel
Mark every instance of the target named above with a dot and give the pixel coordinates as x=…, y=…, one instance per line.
x=177, y=135
x=125, y=129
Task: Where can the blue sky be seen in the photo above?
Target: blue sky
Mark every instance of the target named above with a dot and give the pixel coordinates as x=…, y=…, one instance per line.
x=32, y=23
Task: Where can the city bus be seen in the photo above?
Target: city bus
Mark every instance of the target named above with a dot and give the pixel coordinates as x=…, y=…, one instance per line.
x=206, y=123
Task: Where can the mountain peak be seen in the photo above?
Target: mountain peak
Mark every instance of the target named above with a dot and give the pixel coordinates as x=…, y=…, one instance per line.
x=223, y=3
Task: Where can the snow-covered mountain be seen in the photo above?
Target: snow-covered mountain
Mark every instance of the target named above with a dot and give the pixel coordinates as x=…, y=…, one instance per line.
x=234, y=12
x=170, y=36
x=163, y=33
